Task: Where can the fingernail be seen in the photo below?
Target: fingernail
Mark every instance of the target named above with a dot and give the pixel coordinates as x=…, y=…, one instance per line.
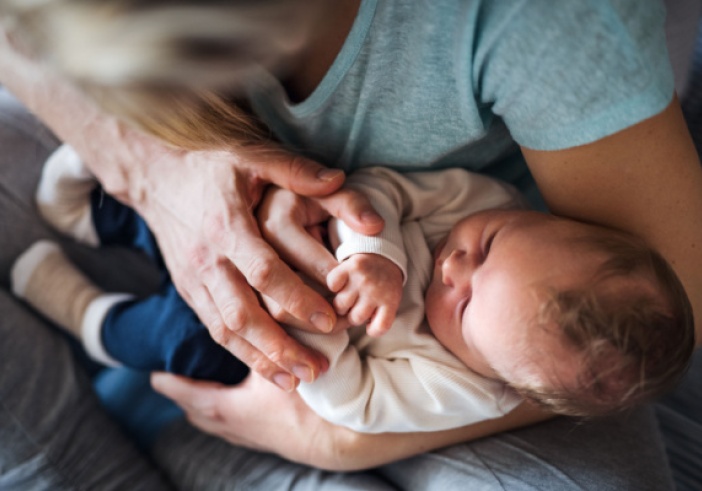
x=322, y=321
x=284, y=381
x=370, y=217
x=329, y=174
x=304, y=373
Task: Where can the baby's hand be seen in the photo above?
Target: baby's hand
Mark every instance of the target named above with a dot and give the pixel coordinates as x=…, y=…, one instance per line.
x=368, y=290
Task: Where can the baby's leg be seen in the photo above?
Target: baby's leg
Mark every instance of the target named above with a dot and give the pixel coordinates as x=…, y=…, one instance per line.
x=54, y=435
x=63, y=195
x=71, y=200
x=161, y=332
x=47, y=280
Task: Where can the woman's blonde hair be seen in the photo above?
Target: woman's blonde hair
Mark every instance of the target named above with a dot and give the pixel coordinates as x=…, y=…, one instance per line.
x=174, y=68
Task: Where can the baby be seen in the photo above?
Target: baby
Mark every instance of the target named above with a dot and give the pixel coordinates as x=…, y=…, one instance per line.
x=485, y=305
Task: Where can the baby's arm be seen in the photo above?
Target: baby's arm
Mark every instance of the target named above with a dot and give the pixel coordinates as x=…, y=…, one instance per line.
x=372, y=270
x=367, y=286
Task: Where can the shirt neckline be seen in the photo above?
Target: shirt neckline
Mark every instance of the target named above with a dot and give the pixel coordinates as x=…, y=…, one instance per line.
x=342, y=63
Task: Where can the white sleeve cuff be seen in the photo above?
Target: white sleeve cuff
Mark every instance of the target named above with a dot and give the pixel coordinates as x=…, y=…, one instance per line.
x=91, y=330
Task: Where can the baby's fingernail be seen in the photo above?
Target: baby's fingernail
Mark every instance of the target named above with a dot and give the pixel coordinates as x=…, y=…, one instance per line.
x=304, y=373
x=322, y=321
x=284, y=381
x=329, y=174
x=370, y=217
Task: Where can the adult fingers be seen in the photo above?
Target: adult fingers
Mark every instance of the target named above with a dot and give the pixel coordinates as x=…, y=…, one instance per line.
x=294, y=172
x=250, y=333
x=281, y=316
x=267, y=273
x=354, y=209
x=191, y=395
x=293, y=225
x=301, y=250
x=309, y=178
x=285, y=228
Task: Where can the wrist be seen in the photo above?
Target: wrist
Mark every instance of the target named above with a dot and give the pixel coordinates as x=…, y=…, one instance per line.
x=117, y=154
x=125, y=161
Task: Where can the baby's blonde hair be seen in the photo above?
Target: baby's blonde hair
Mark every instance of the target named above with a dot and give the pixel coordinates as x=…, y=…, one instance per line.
x=631, y=326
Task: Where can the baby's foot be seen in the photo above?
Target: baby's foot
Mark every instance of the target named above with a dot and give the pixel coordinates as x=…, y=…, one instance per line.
x=48, y=281
x=63, y=195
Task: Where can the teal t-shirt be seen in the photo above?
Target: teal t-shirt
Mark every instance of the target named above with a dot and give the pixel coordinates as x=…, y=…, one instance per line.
x=423, y=84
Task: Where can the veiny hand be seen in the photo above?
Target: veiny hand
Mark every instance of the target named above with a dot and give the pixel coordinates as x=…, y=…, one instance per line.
x=200, y=206
x=368, y=290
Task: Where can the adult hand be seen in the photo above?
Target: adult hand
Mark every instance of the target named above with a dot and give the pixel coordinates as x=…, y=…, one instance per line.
x=199, y=205
x=254, y=414
x=290, y=222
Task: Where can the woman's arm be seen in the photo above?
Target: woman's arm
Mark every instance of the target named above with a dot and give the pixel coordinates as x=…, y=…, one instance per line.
x=257, y=416
x=199, y=205
x=646, y=180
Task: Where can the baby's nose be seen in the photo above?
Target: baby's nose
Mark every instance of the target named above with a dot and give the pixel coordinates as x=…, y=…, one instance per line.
x=457, y=269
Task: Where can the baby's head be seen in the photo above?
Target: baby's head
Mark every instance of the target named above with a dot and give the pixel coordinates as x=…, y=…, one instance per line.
x=578, y=319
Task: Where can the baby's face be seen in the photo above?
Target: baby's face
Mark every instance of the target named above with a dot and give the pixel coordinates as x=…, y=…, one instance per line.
x=490, y=276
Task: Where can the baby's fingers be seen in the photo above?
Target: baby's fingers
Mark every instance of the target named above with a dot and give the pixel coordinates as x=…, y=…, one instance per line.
x=337, y=279
x=361, y=312
x=381, y=322
x=344, y=301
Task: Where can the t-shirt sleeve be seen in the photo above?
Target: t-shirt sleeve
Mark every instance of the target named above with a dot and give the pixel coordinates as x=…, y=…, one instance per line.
x=567, y=73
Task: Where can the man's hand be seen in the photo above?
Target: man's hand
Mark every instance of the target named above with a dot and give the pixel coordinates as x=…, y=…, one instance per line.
x=368, y=290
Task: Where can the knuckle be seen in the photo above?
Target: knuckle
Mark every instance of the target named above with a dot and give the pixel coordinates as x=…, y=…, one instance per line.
x=298, y=167
x=198, y=256
x=220, y=333
x=261, y=271
x=213, y=226
x=262, y=365
x=235, y=317
x=276, y=355
x=296, y=302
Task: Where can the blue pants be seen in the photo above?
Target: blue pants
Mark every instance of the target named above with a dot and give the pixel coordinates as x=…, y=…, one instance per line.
x=159, y=332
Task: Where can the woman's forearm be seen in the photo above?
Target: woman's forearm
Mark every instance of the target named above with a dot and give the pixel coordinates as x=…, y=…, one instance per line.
x=106, y=143
x=645, y=180
x=356, y=451
x=242, y=415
